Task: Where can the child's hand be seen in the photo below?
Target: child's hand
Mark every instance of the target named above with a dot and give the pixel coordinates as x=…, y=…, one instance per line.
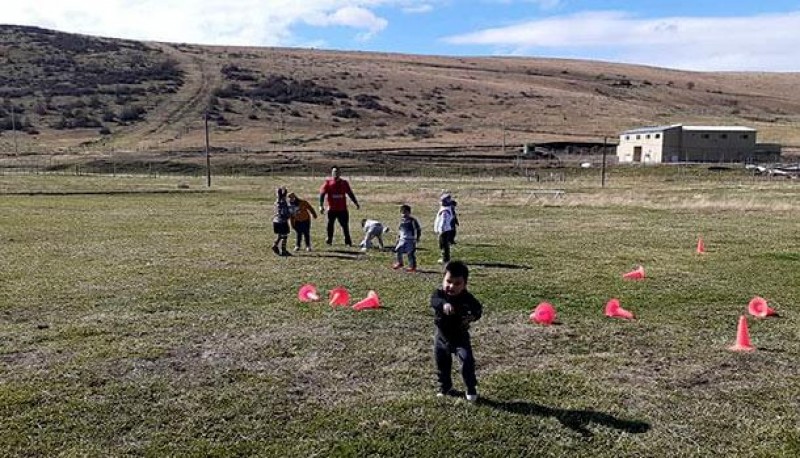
x=448, y=309
x=467, y=319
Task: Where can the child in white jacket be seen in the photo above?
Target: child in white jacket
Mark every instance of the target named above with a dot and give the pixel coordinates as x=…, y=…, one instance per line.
x=372, y=230
x=444, y=227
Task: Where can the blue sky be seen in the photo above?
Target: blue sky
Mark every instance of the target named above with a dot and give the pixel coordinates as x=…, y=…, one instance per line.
x=699, y=35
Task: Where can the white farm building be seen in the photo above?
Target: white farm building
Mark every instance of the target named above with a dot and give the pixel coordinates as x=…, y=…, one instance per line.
x=679, y=143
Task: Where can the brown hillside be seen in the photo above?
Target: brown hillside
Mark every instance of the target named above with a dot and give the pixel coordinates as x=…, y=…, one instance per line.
x=67, y=91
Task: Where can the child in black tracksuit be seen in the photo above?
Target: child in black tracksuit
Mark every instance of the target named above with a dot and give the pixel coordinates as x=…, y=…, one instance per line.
x=454, y=309
x=280, y=223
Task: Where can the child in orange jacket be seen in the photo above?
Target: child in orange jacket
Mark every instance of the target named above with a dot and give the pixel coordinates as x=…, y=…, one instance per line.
x=301, y=220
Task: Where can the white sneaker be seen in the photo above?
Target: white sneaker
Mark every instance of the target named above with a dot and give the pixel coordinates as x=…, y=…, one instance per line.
x=308, y=248
x=297, y=248
x=440, y=261
x=472, y=397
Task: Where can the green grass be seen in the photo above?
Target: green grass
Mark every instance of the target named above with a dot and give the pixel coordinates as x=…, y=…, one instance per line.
x=155, y=321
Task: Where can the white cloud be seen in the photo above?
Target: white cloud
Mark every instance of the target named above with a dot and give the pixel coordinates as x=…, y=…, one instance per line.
x=355, y=17
x=764, y=42
x=233, y=22
x=543, y=4
x=418, y=9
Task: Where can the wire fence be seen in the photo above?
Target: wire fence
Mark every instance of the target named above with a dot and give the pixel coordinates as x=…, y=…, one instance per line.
x=564, y=168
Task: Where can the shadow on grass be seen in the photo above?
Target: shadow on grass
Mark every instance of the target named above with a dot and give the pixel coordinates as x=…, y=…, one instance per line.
x=499, y=265
x=338, y=254
x=576, y=420
x=428, y=271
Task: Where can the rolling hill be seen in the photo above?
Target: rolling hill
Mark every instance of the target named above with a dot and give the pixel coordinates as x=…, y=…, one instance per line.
x=66, y=92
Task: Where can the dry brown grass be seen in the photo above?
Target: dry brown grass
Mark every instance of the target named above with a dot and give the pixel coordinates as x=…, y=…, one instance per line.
x=458, y=100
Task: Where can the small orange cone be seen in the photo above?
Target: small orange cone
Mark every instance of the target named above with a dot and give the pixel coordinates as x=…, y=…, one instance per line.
x=637, y=274
x=370, y=302
x=742, y=337
x=758, y=307
x=338, y=296
x=308, y=293
x=701, y=247
x=614, y=310
x=544, y=313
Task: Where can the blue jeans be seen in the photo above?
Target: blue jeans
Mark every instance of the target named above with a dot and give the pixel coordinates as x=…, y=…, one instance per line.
x=409, y=247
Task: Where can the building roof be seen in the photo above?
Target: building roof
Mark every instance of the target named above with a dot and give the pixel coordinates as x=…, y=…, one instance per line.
x=720, y=128
x=650, y=129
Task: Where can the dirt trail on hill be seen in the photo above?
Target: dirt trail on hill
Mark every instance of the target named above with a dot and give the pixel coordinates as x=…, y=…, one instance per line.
x=183, y=112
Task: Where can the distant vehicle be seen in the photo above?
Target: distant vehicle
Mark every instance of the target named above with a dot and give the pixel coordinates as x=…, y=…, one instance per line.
x=777, y=170
x=531, y=151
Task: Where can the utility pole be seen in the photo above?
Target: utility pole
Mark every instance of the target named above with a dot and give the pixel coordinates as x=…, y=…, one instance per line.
x=603, y=169
x=208, y=152
x=503, y=125
x=14, y=129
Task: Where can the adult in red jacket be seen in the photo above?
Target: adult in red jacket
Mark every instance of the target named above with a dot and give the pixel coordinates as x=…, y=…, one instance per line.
x=334, y=192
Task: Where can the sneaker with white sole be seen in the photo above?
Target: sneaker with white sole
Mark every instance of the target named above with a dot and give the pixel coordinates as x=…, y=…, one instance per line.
x=472, y=397
x=443, y=393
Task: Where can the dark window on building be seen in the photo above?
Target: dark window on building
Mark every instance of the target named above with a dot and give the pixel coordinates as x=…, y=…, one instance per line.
x=723, y=135
x=658, y=135
x=627, y=137
x=745, y=136
x=647, y=136
x=638, y=137
x=706, y=136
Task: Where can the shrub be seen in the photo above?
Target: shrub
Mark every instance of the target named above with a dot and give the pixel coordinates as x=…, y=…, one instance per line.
x=347, y=113
x=131, y=113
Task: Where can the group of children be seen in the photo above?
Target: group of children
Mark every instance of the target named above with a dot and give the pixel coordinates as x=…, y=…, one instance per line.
x=454, y=307
x=291, y=210
x=409, y=233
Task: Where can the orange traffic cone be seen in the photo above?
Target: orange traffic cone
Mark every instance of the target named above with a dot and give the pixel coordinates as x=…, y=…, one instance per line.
x=758, y=307
x=308, y=293
x=544, y=313
x=614, y=310
x=701, y=247
x=370, y=302
x=339, y=296
x=742, y=337
x=637, y=274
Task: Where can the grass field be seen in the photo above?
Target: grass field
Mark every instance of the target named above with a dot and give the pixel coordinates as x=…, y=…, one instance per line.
x=137, y=318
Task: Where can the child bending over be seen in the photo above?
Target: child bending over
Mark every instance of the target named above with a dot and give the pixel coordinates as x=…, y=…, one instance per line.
x=372, y=230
